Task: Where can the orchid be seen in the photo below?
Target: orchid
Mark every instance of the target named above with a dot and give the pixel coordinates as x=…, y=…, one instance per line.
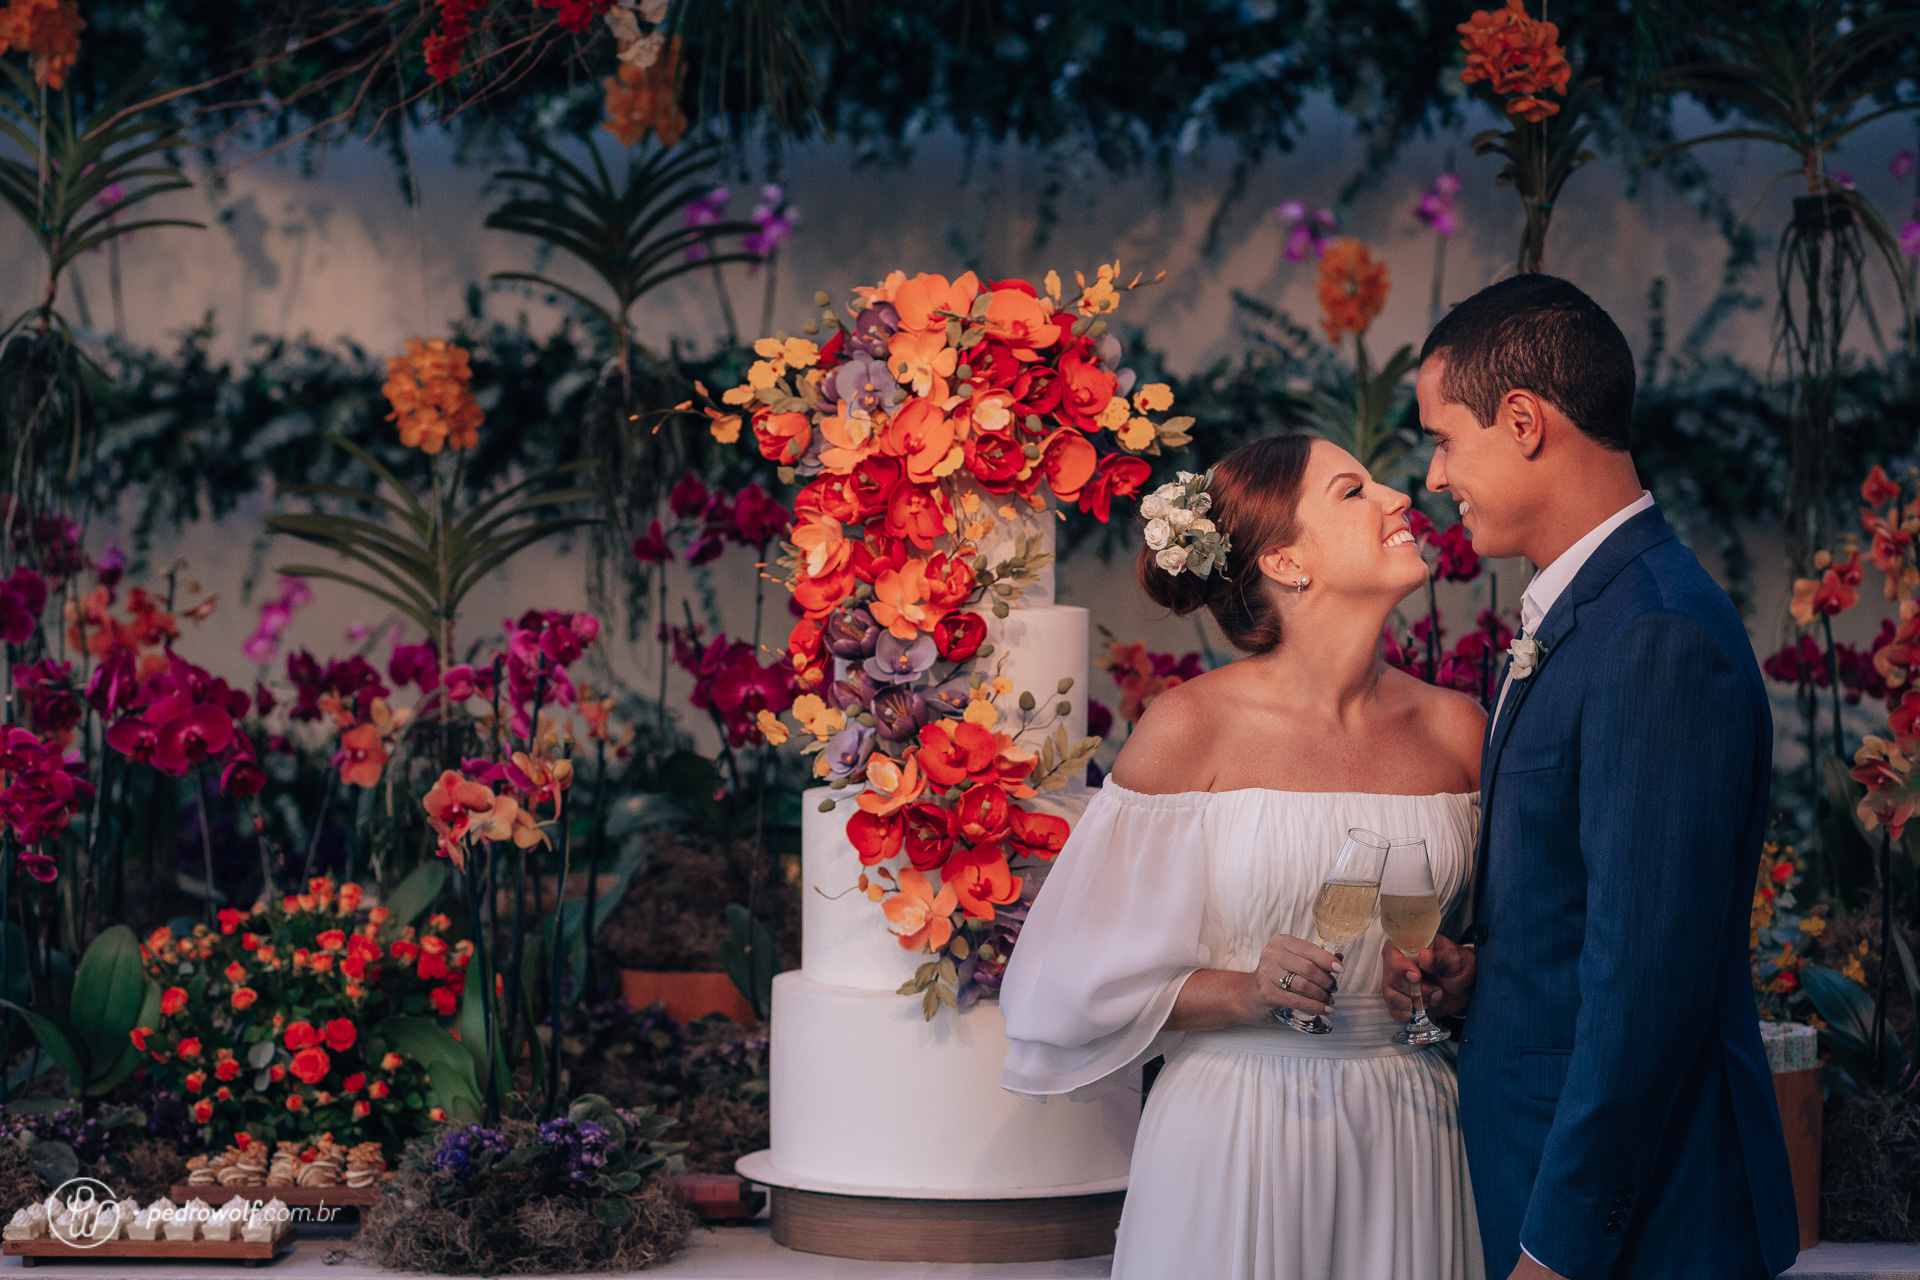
x=1308, y=233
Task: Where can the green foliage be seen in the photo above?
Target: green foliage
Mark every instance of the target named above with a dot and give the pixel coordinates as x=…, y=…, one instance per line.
x=449, y=1063
x=112, y=996
x=1540, y=157
x=1847, y=1009
x=426, y=567
x=1369, y=419
x=416, y=894
x=747, y=954
x=77, y=179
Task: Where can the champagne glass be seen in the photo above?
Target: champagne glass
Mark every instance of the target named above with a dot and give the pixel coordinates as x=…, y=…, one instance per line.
x=1410, y=913
x=1343, y=911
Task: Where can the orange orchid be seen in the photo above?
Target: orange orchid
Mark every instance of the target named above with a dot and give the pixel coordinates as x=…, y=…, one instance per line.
x=823, y=544
x=850, y=440
x=920, y=918
x=1516, y=56
x=1021, y=320
x=1069, y=461
x=361, y=756
x=980, y=880
x=452, y=804
x=923, y=361
x=1835, y=592
x=891, y=784
x=1353, y=289
x=917, y=300
x=900, y=602
x=147, y=626
x=432, y=402
x=1892, y=793
x=642, y=99
x=508, y=821
x=922, y=434
x=48, y=32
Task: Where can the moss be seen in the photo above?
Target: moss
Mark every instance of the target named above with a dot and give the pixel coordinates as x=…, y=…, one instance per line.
x=1870, y=1171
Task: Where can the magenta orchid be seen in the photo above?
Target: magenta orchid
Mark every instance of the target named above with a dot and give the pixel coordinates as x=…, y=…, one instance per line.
x=275, y=614
x=1435, y=209
x=1308, y=232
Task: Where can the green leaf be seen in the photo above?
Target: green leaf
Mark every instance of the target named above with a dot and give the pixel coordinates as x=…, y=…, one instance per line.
x=614, y=1213
x=748, y=958
x=130, y=1058
x=108, y=990
x=53, y=1162
x=416, y=894
x=448, y=1065
x=61, y=1042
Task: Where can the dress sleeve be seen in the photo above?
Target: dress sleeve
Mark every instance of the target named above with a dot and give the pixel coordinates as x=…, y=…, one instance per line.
x=1110, y=941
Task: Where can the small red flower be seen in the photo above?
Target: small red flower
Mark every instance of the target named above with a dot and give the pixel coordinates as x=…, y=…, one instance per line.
x=230, y=919
x=139, y=1037
x=443, y=1001
x=195, y=1080
x=173, y=1001
x=378, y=1089
x=354, y=1082
x=227, y=1070
x=203, y=1110
x=190, y=1047
x=236, y=973
x=312, y=1064
x=296, y=1103
x=340, y=1034
x=875, y=837
x=390, y=1063
x=301, y=1035
x=243, y=997
x=332, y=940
x=362, y=1109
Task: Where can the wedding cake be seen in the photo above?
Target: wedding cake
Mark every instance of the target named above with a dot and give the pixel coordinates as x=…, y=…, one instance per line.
x=868, y=1096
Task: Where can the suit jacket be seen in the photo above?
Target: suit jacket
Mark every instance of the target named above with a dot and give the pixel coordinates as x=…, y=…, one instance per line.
x=1618, y=1110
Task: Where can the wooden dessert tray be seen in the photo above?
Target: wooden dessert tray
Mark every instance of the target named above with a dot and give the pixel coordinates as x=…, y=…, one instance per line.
x=246, y=1252
x=339, y=1196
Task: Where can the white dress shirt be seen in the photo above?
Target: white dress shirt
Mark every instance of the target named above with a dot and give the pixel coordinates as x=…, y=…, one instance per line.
x=1551, y=582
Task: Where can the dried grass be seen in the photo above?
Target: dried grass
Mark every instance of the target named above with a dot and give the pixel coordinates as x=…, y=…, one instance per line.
x=718, y=1129
x=1870, y=1174
x=674, y=915
x=410, y=1229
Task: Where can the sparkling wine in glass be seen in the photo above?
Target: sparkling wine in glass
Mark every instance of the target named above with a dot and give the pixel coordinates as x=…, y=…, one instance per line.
x=1410, y=913
x=1343, y=910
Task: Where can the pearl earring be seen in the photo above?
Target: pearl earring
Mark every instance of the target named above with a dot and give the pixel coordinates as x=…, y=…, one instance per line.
x=1299, y=584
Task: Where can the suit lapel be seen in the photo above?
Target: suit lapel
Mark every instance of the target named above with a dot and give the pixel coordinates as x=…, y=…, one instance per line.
x=1625, y=545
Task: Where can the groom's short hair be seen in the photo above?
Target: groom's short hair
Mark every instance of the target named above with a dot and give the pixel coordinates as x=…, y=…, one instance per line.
x=1538, y=333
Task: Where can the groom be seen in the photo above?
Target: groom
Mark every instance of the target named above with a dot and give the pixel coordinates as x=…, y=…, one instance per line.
x=1618, y=1112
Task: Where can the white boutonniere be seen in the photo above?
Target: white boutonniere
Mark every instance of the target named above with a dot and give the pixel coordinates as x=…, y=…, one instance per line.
x=1525, y=654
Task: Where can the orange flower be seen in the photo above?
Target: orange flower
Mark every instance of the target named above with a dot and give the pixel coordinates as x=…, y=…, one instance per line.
x=332, y=940
x=48, y=32
x=243, y=997
x=196, y=1081
x=431, y=400
x=919, y=298
x=203, y=1110
x=1353, y=288
x=891, y=784
x=921, y=919
x=296, y=1103
x=452, y=804
x=823, y=544
x=350, y=895
x=378, y=1089
x=190, y=1047
x=312, y=1064
x=362, y=756
x=1068, y=461
x=362, y=1109
x=922, y=434
x=980, y=880
x=1515, y=55
x=1021, y=320
x=900, y=601
x=642, y=99
x=922, y=361
x=783, y=437
x=849, y=440
x=1835, y=592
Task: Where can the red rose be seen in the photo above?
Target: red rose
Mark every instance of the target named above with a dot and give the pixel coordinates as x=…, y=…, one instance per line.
x=173, y=1001
x=332, y=940
x=432, y=967
x=236, y=973
x=312, y=1064
x=227, y=1070
x=243, y=997
x=995, y=460
x=230, y=919
x=203, y=1111
x=296, y=1103
x=875, y=837
x=353, y=1082
x=1118, y=476
x=982, y=814
x=340, y=1034
x=196, y=1079
x=354, y=967
x=443, y=1001
x=301, y=1035
x=190, y=1047
x=959, y=636
x=1040, y=835
x=404, y=951
x=930, y=831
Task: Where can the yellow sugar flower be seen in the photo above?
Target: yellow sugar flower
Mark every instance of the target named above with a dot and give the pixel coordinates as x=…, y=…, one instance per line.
x=982, y=714
x=1115, y=415
x=742, y=394
x=1153, y=397
x=799, y=353
x=725, y=428
x=763, y=373
x=1137, y=434
x=770, y=727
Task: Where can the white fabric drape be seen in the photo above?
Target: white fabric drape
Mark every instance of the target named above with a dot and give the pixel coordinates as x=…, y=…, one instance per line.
x=1263, y=1154
x=1112, y=937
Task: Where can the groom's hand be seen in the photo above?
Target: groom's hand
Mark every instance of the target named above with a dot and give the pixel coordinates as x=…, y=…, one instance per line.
x=1445, y=972
x=1528, y=1269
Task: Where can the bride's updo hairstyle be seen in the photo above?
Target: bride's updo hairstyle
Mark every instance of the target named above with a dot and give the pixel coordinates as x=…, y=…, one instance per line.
x=1256, y=499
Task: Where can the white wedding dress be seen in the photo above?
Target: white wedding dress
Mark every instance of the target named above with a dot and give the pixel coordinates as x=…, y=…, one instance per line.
x=1264, y=1154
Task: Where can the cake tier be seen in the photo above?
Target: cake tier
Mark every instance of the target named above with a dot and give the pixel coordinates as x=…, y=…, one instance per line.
x=866, y=1093
x=999, y=544
x=844, y=941
x=1035, y=647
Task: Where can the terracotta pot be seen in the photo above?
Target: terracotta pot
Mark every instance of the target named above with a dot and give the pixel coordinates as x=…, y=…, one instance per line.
x=1798, y=1093
x=686, y=995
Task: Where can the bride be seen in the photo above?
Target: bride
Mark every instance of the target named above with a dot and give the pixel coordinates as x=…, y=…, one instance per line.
x=1178, y=920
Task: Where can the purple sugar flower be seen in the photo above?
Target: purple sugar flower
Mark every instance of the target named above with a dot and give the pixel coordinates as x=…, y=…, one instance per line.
x=872, y=330
x=898, y=713
x=950, y=697
x=852, y=633
x=895, y=660
x=866, y=386
x=847, y=750
x=855, y=693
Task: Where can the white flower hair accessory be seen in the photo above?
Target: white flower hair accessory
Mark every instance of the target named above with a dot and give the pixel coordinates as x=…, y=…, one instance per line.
x=1182, y=538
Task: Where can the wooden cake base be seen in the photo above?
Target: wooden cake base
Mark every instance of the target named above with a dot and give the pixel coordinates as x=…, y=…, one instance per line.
x=881, y=1228
x=247, y=1252
x=335, y=1197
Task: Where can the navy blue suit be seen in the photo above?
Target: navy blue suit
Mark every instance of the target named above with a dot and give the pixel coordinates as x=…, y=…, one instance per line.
x=1618, y=1111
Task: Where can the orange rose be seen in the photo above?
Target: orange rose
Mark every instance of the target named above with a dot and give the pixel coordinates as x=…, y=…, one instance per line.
x=203, y=1111
x=243, y=997
x=332, y=940
x=312, y=1064
x=190, y=1047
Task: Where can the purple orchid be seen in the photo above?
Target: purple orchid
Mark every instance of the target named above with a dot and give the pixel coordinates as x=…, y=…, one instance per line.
x=950, y=697
x=856, y=692
x=1435, y=209
x=1902, y=166
x=1307, y=232
x=852, y=633
x=866, y=386
x=898, y=713
x=775, y=218
x=872, y=330
x=709, y=210
x=847, y=751
x=895, y=661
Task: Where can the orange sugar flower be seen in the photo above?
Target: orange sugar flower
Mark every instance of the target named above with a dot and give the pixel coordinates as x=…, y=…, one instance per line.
x=849, y=440
x=783, y=437
x=432, y=403
x=922, y=434
x=823, y=544
x=1021, y=320
x=48, y=32
x=980, y=880
x=891, y=784
x=1353, y=288
x=900, y=601
x=920, y=299
x=362, y=756
x=920, y=918
x=922, y=361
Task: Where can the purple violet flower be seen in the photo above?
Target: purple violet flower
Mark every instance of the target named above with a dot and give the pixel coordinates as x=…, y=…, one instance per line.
x=847, y=750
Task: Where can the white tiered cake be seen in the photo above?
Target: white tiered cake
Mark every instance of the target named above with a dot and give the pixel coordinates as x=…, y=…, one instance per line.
x=868, y=1097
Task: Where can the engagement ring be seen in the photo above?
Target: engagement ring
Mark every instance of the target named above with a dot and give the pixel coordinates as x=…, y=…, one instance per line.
x=1286, y=983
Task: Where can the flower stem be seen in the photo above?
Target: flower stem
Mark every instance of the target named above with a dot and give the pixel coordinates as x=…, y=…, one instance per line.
x=559, y=959
x=206, y=836
x=1833, y=674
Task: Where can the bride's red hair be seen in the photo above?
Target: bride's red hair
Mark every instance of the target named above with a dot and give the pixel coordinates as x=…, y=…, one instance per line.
x=1256, y=503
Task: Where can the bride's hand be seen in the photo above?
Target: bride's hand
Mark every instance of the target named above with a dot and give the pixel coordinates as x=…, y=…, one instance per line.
x=1311, y=988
